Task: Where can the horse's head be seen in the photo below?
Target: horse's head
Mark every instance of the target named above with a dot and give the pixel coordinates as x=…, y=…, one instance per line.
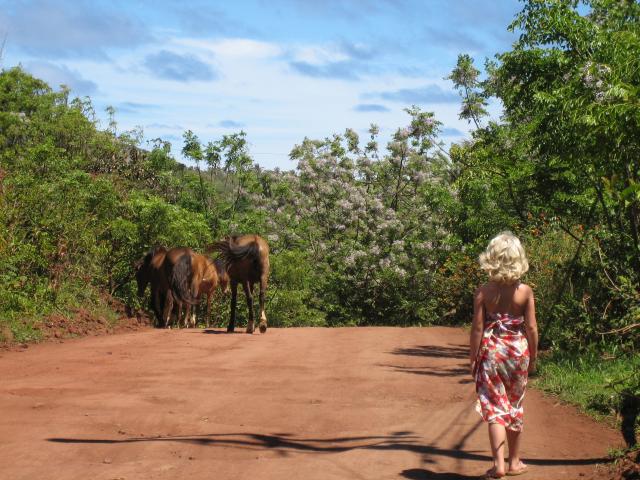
x=141, y=269
x=223, y=275
x=224, y=284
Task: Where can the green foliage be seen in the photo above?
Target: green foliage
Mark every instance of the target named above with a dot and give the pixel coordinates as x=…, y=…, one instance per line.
x=561, y=170
x=78, y=206
x=291, y=300
x=360, y=234
x=596, y=381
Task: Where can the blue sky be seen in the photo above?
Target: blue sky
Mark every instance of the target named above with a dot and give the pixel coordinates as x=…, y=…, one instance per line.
x=278, y=69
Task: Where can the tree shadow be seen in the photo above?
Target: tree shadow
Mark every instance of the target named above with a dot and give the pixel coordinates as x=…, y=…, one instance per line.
x=284, y=441
x=434, y=351
x=629, y=411
x=286, y=444
x=432, y=372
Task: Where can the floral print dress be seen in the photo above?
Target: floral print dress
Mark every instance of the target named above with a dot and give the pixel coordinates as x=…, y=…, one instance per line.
x=501, y=370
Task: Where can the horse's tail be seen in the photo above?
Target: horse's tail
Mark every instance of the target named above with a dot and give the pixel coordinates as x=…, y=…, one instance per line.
x=231, y=253
x=180, y=280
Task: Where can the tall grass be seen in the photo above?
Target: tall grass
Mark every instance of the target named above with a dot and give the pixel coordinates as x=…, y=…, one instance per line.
x=592, y=381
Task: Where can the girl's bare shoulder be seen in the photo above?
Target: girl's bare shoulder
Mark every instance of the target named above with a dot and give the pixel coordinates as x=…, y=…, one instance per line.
x=525, y=288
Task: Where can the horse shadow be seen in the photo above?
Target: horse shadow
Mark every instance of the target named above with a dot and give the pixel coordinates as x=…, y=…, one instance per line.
x=211, y=331
x=421, y=474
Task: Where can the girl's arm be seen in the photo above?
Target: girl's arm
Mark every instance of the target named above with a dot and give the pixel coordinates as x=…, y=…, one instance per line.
x=531, y=329
x=476, y=328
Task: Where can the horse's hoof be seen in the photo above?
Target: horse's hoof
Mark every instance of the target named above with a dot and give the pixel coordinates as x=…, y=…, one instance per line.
x=250, y=332
x=263, y=328
x=230, y=330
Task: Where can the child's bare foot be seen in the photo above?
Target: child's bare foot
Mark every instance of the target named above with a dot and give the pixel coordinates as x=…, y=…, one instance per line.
x=519, y=469
x=493, y=472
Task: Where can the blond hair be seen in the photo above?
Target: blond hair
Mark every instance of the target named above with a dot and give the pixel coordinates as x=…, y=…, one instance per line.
x=504, y=259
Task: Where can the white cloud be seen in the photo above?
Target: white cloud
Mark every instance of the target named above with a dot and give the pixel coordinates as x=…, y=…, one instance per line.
x=233, y=47
x=318, y=54
x=255, y=88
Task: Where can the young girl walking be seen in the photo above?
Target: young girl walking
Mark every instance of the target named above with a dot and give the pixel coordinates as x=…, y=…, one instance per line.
x=504, y=345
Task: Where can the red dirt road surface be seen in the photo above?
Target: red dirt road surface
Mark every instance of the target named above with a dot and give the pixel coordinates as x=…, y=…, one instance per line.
x=304, y=403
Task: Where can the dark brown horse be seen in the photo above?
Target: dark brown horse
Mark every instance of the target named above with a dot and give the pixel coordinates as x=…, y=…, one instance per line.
x=158, y=269
x=246, y=259
x=179, y=277
x=149, y=270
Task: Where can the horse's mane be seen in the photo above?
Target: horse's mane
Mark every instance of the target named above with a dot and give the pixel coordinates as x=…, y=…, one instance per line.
x=220, y=265
x=158, y=249
x=153, y=251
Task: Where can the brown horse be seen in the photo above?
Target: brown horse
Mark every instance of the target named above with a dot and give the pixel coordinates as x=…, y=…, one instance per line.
x=209, y=288
x=149, y=270
x=204, y=281
x=178, y=268
x=223, y=276
x=179, y=276
x=191, y=275
x=246, y=259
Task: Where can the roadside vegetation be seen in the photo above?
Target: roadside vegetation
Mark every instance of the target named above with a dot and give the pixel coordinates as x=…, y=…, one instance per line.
x=363, y=233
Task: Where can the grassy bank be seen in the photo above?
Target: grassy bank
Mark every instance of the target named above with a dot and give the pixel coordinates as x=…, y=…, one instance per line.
x=594, y=382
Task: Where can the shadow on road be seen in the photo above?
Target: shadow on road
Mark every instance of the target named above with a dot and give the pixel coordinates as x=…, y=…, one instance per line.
x=432, y=372
x=436, y=351
x=420, y=474
x=285, y=443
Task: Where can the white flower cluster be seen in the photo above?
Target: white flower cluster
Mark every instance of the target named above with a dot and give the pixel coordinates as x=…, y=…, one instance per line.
x=594, y=77
x=358, y=215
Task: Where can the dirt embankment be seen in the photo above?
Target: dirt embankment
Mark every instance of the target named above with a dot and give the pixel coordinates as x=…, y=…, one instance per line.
x=82, y=323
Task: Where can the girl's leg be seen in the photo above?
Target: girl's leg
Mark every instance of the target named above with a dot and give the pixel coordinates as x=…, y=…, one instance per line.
x=513, y=440
x=497, y=437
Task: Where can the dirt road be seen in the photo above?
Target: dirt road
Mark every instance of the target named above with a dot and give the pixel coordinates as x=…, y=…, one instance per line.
x=351, y=403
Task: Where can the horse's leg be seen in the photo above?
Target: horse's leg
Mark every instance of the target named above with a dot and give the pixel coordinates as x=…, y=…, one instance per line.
x=219, y=310
x=248, y=292
x=192, y=312
x=168, y=309
x=234, y=301
x=263, y=315
x=178, y=312
x=158, y=307
x=194, y=316
x=208, y=317
x=187, y=314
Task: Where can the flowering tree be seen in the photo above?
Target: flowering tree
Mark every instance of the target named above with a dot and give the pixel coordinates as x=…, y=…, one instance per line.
x=372, y=226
